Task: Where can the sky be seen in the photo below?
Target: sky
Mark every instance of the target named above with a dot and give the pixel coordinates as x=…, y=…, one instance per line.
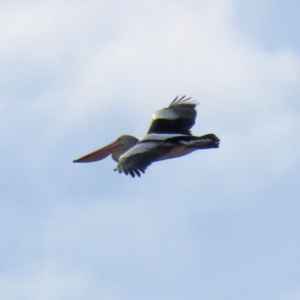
x=216, y=224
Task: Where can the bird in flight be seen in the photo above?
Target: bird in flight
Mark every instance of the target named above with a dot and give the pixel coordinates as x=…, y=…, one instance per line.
x=169, y=136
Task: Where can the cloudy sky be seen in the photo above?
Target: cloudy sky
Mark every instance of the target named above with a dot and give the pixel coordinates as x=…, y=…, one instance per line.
x=218, y=224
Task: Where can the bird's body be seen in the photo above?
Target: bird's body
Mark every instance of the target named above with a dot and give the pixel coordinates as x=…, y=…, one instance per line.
x=168, y=137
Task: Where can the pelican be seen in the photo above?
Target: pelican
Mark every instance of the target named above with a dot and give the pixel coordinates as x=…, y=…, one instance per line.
x=169, y=136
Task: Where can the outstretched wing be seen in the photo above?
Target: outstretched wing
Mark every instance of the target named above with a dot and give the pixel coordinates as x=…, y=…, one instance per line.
x=179, y=117
x=139, y=157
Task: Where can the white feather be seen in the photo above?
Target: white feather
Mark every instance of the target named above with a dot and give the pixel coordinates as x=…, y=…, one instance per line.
x=197, y=142
x=138, y=149
x=160, y=137
x=166, y=113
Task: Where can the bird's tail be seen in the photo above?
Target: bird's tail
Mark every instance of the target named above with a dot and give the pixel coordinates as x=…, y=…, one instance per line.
x=207, y=141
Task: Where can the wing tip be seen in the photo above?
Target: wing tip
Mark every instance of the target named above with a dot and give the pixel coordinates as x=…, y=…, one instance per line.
x=130, y=171
x=183, y=101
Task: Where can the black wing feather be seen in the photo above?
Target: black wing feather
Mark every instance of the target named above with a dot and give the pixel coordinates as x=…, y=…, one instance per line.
x=138, y=163
x=186, y=116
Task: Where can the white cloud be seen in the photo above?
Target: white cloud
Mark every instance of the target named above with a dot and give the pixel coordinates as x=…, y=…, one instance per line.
x=47, y=281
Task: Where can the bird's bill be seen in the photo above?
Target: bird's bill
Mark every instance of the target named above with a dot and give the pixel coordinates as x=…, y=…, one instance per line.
x=100, y=153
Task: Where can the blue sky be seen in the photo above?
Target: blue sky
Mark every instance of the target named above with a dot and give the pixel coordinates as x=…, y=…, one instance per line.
x=220, y=224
